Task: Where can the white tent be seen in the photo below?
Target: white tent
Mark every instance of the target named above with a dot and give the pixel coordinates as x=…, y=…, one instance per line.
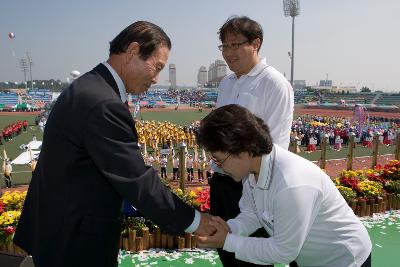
x=35, y=144
x=25, y=157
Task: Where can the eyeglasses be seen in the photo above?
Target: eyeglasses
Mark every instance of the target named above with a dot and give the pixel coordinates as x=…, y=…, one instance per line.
x=232, y=46
x=219, y=163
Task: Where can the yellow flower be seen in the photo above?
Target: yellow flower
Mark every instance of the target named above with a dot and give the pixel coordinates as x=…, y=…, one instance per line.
x=192, y=194
x=9, y=218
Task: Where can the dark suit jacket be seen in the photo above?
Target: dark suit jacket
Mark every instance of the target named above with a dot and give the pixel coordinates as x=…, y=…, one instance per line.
x=88, y=164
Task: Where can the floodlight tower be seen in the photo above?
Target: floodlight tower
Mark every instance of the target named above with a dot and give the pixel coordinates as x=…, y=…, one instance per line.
x=30, y=63
x=291, y=8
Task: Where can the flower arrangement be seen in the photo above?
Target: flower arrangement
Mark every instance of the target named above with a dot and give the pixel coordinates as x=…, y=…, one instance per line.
x=136, y=223
x=189, y=197
x=198, y=198
x=10, y=211
x=13, y=200
x=347, y=193
x=350, y=182
x=203, y=197
x=393, y=186
x=370, y=189
x=391, y=170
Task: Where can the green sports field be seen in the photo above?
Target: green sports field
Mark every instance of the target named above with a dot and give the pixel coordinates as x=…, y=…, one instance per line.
x=22, y=175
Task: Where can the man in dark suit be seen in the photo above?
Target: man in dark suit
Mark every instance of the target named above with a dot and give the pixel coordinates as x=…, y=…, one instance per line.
x=90, y=161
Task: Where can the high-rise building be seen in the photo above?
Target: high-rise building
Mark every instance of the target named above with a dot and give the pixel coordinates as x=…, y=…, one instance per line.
x=210, y=72
x=299, y=85
x=220, y=68
x=327, y=83
x=172, y=75
x=202, y=76
x=217, y=71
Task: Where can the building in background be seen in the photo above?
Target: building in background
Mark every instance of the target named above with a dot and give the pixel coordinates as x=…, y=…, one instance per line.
x=325, y=83
x=202, y=76
x=172, y=75
x=216, y=72
x=299, y=85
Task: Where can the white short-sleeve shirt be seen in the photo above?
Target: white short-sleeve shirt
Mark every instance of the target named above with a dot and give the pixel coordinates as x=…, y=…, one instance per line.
x=267, y=94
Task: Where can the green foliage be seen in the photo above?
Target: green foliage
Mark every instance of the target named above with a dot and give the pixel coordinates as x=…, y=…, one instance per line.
x=393, y=187
x=365, y=89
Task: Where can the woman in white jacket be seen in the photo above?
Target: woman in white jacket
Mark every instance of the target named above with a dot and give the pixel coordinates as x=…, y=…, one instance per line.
x=293, y=199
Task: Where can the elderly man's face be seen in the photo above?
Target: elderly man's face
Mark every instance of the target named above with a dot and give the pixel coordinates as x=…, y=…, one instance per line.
x=140, y=74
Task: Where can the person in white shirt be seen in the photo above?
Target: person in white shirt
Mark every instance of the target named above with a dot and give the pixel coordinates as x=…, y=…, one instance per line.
x=175, y=168
x=258, y=87
x=149, y=160
x=200, y=168
x=163, y=166
x=290, y=197
x=7, y=170
x=189, y=168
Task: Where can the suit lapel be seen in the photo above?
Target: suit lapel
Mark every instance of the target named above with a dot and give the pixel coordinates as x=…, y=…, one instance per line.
x=107, y=76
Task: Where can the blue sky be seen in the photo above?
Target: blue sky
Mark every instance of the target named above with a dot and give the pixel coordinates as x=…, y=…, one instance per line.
x=356, y=42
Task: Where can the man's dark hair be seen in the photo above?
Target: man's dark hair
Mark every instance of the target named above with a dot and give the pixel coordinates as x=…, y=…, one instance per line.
x=234, y=129
x=148, y=35
x=242, y=25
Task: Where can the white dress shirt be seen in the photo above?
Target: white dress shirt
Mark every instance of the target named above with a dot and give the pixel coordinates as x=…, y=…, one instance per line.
x=307, y=218
x=122, y=92
x=267, y=94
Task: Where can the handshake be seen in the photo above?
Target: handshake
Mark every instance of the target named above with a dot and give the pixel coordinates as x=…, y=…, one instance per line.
x=212, y=231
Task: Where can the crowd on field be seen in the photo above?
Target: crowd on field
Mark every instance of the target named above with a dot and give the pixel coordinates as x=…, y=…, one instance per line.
x=309, y=131
x=12, y=130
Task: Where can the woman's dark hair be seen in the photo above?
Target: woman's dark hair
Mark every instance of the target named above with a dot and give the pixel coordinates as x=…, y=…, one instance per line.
x=234, y=129
x=242, y=25
x=148, y=35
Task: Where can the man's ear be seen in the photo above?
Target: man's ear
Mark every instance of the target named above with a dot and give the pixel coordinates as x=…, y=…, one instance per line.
x=256, y=44
x=133, y=49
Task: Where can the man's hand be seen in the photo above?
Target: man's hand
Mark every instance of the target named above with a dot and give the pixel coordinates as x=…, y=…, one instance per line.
x=205, y=227
x=218, y=239
x=224, y=224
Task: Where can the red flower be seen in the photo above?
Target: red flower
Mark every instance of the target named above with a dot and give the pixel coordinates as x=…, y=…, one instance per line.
x=1, y=207
x=350, y=182
x=205, y=207
x=378, y=167
x=203, y=197
x=9, y=230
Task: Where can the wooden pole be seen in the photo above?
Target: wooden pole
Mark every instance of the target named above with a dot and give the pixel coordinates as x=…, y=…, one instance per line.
x=132, y=240
x=188, y=240
x=351, y=152
x=397, y=152
x=139, y=244
x=295, y=144
x=170, y=241
x=182, y=166
x=157, y=237
x=145, y=231
x=323, y=152
x=164, y=240
x=375, y=151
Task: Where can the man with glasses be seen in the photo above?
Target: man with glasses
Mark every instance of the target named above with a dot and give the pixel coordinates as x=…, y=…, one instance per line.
x=261, y=89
